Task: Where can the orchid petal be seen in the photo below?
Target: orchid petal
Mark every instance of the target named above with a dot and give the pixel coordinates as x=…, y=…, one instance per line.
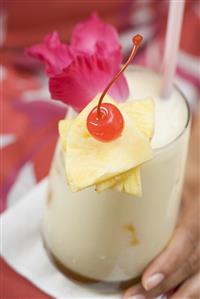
x=81, y=81
x=53, y=53
x=87, y=35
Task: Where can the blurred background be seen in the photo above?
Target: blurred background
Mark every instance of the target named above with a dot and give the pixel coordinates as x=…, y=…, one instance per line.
x=28, y=116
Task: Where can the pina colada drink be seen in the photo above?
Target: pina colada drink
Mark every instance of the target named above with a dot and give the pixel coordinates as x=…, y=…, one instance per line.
x=111, y=236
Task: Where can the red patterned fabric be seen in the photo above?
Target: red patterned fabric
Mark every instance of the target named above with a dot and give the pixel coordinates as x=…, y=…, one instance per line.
x=15, y=286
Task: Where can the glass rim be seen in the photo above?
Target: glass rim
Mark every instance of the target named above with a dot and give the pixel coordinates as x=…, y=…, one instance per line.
x=160, y=148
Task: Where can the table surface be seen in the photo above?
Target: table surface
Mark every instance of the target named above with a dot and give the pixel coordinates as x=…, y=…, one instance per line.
x=14, y=285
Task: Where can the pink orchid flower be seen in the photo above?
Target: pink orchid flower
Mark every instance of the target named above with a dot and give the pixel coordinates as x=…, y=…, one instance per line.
x=82, y=69
x=53, y=53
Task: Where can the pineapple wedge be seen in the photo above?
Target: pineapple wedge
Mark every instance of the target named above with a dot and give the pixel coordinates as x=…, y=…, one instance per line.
x=131, y=183
x=128, y=182
x=89, y=161
x=111, y=182
x=63, y=128
x=142, y=112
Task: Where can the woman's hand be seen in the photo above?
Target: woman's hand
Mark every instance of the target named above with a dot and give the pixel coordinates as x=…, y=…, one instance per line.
x=178, y=266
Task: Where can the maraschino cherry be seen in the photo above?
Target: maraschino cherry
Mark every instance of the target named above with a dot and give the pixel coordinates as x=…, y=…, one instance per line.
x=105, y=122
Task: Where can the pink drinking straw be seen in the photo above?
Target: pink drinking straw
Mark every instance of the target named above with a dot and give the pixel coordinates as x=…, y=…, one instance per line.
x=172, y=40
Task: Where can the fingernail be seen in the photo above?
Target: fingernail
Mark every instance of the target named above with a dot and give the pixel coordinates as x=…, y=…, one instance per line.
x=137, y=297
x=153, y=281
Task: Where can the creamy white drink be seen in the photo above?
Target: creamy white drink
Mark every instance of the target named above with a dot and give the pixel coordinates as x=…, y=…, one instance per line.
x=111, y=236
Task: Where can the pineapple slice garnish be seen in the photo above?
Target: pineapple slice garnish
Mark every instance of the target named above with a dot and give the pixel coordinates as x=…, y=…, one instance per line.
x=142, y=112
x=63, y=128
x=113, y=164
x=128, y=182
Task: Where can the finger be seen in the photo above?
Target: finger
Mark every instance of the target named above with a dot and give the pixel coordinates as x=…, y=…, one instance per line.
x=136, y=291
x=181, y=246
x=170, y=259
x=187, y=269
x=189, y=290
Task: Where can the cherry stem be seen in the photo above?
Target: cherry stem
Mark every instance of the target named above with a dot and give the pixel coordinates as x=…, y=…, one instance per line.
x=137, y=39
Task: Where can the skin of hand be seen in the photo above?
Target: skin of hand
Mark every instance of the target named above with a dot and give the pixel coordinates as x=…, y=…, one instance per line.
x=176, y=271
